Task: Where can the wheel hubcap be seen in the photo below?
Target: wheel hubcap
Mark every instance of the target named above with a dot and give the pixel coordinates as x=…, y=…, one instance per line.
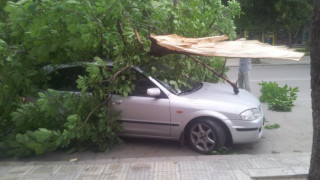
x=202, y=137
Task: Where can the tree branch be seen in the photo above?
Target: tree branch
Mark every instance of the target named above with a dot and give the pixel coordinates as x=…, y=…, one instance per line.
x=235, y=88
x=138, y=36
x=120, y=71
x=110, y=94
x=224, y=65
x=96, y=108
x=120, y=29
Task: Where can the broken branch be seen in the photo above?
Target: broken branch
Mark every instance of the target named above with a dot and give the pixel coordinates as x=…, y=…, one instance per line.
x=235, y=88
x=137, y=35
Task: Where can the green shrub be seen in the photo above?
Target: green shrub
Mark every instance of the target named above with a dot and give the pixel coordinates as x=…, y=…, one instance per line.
x=272, y=126
x=278, y=98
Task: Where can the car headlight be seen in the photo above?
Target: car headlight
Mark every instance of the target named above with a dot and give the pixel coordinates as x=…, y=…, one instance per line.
x=250, y=114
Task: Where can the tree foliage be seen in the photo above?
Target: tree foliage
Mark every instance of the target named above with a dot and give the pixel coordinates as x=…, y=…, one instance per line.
x=257, y=16
x=287, y=16
x=36, y=33
x=293, y=14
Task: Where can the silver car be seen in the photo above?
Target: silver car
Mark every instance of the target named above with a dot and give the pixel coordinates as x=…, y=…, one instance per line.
x=207, y=115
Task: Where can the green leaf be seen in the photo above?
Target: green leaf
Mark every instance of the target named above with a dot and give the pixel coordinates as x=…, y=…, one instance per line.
x=22, y=138
x=272, y=126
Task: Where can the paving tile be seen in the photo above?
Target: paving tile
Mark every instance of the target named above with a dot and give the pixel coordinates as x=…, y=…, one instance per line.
x=154, y=159
x=221, y=175
x=62, y=177
x=270, y=172
x=264, y=163
x=194, y=175
x=166, y=166
x=240, y=163
x=284, y=178
x=240, y=175
x=117, y=168
x=19, y=170
x=138, y=167
x=3, y=169
x=126, y=160
x=140, y=176
x=182, y=158
x=222, y=157
x=166, y=176
x=304, y=159
x=301, y=170
x=217, y=164
x=114, y=176
x=220, y=171
x=68, y=169
x=35, y=177
x=289, y=161
x=46, y=169
x=93, y=169
x=192, y=166
x=87, y=177
x=10, y=177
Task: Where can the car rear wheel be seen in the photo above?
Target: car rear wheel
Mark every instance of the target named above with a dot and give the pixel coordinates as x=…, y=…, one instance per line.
x=206, y=136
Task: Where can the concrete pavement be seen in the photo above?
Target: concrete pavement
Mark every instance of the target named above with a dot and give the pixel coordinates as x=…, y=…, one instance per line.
x=217, y=167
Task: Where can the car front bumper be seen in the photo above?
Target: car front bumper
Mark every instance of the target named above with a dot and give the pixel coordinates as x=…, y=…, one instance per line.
x=247, y=131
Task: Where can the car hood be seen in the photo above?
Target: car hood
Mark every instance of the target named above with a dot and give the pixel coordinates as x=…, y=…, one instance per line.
x=223, y=95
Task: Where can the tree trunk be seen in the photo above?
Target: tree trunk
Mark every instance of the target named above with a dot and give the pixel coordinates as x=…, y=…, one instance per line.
x=314, y=172
x=290, y=39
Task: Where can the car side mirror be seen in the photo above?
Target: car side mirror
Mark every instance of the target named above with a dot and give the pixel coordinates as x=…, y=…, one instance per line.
x=154, y=92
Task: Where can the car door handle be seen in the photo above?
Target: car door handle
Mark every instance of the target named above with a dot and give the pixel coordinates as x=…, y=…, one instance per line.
x=117, y=103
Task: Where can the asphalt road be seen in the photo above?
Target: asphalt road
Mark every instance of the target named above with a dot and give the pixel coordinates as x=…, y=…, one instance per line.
x=293, y=136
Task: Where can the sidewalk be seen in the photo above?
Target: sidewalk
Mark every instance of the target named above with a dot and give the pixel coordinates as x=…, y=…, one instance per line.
x=217, y=167
x=304, y=60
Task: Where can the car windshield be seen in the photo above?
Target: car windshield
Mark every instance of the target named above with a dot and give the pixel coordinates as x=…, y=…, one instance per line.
x=175, y=81
x=183, y=86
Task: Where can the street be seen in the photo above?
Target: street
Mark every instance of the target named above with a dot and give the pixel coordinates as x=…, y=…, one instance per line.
x=293, y=136
x=295, y=132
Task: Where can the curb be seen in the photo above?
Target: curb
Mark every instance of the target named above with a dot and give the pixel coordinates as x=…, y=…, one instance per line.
x=264, y=64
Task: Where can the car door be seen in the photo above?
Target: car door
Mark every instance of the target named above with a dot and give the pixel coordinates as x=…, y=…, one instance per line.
x=143, y=115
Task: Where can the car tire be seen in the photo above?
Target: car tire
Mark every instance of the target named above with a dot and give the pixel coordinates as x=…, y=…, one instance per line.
x=205, y=136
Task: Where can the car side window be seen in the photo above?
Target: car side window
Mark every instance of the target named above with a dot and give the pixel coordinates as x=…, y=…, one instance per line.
x=141, y=85
x=64, y=79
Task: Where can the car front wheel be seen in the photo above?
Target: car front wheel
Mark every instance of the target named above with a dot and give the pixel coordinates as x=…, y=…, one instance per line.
x=206, y=136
